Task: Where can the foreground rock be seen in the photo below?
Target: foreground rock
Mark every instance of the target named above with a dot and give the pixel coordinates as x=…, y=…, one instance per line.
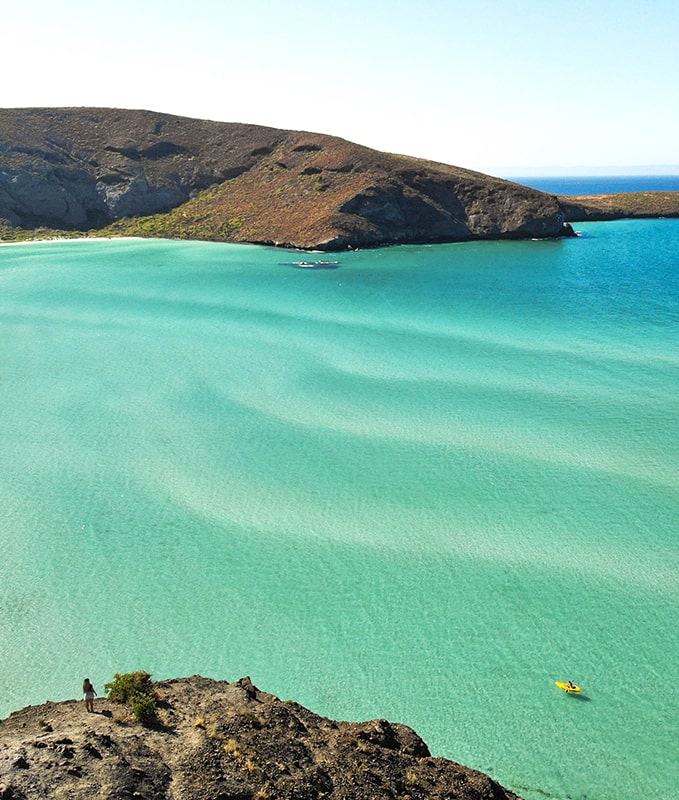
x=84, y=168
x=221, y=741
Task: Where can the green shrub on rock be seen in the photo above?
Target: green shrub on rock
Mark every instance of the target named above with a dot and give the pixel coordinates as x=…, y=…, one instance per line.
x=134, y=689
x=144, y=709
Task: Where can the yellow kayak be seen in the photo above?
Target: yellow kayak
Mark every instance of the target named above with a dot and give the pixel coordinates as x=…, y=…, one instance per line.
x=568, y=688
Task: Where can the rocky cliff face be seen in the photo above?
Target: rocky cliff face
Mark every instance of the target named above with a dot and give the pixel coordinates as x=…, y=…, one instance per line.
x=80, y=167
x=83, y=168
x=221, y=741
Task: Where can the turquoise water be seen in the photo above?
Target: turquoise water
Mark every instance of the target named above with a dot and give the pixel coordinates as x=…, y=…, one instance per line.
x=601, y=184
x=422, y=486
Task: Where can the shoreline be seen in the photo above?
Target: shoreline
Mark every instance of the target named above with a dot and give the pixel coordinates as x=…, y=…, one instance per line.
x=579, y=213
x=57, y=239
x=576, y=209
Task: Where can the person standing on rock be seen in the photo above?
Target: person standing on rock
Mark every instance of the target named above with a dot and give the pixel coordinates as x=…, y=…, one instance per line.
x=89, y=692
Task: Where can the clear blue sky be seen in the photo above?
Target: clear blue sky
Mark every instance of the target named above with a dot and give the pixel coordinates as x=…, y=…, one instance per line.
x=493, y=85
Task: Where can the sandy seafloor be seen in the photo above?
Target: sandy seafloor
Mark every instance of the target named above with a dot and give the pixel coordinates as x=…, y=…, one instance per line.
x=422, y=485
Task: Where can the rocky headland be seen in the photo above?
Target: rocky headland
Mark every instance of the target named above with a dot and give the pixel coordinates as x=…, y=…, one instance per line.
x=215, y=740
x=151, y=174
x=115, y=172
x=622, y=205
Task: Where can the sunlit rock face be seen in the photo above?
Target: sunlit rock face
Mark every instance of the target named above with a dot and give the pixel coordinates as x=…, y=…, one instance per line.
x=214, y=739
x=84, y=168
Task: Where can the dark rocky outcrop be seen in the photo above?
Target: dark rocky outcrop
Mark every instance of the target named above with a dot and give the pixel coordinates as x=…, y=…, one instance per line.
x=67, y=167
x=83, y=168
x=221, y=741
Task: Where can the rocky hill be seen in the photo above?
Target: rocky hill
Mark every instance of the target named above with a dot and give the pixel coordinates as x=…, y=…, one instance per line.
x=629, y=205
x=85, y=168
x=221, y=741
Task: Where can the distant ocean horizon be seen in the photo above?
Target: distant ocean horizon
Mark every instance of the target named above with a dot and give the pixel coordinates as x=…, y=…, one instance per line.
x=599, y=184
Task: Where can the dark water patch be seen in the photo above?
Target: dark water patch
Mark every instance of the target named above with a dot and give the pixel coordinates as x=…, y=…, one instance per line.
x=543, y=793
x=583, y=698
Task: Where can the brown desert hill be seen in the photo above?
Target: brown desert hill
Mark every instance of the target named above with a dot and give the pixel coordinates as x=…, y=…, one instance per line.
x=221, y=741
x=76, y=167
x=621, y=205
x=320, y=192
x=85, y=168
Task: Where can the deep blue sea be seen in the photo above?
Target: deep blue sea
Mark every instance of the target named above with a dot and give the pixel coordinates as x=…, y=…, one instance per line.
x=602, y=184
x=424, y=485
